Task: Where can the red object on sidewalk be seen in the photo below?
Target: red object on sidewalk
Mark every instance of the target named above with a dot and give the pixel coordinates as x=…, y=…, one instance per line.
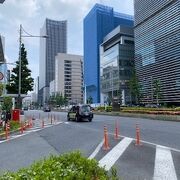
x=16, y=114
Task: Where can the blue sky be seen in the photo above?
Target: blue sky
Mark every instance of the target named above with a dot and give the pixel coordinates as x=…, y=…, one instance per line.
x=32, y=13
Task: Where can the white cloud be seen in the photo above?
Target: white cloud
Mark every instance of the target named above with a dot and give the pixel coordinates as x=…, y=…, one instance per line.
x=32, y=13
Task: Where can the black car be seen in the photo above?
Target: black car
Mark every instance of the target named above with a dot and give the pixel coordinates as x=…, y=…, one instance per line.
x=47, y=108
x=79, y=113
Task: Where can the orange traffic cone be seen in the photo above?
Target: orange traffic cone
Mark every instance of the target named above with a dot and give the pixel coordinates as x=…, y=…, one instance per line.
x=106, y=143
x=138, y=141
x=21, y=128
x=51, y=118
x=116, y=132
x=42, y=123
x=7, y=130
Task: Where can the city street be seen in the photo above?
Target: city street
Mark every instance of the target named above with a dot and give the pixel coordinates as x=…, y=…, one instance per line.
x=132, y=162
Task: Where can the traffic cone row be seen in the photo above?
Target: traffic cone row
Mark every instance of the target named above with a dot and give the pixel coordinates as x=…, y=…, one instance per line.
x=117, y=136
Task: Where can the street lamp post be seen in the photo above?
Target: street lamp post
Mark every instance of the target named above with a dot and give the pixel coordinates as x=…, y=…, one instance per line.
x=20, y=69
x=19, y=87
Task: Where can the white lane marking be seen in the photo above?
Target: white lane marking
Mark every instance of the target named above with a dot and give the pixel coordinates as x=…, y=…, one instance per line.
x=66, y=122
x=154, y=144
x=164, y=166
x=96, y=150
x=110, y=158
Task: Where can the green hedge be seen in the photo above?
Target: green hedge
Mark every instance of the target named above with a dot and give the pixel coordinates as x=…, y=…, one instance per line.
x=108, y=108
x=64, y=167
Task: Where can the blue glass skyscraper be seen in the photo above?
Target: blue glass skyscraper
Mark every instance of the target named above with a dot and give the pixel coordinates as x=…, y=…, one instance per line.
x=97, y=24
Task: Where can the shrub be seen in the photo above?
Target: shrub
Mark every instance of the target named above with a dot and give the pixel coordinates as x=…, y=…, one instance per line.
x=101, y=108
x=67, y=167
x=108, y=108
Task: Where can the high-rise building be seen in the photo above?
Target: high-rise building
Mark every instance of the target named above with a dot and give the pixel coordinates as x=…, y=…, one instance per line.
x=97, y=24
x=56, y=42
x=157, y=49
x=69, y=77
x=2, y=41
x=116, y=65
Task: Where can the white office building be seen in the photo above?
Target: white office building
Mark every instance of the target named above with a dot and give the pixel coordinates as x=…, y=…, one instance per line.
x=68, y=77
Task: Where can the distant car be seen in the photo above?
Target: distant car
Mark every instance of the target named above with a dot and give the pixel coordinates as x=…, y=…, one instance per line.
x=25, y=108
x=152, y=106
x=47, y=109
x=78, y=113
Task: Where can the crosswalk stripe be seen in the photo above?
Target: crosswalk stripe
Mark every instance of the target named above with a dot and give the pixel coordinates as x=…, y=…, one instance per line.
x=164, y=166
x=110, y=158
x=96, y=150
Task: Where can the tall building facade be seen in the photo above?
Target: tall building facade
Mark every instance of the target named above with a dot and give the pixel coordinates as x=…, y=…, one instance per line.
x=116, y=65
x=97, y=24
x=157, y=49
x=2, y=42
x=56, y=42
x=69, y=77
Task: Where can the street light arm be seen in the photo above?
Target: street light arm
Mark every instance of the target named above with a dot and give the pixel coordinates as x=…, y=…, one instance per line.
x=30, y=35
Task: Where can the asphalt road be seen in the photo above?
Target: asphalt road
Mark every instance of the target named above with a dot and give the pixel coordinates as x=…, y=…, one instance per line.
x=135, y=162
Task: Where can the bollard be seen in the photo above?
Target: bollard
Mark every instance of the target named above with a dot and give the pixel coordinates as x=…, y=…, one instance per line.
x=116, y=131
x=51, y=118
x=42, y=123
x=138, y=143
x=106, y=143
x=7, y=130
x=21, y=128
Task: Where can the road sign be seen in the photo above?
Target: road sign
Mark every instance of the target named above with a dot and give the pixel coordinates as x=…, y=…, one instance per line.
x=1, y=76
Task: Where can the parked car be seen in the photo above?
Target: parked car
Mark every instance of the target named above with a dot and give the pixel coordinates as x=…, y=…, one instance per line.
x=81, y=112
x=46, y=108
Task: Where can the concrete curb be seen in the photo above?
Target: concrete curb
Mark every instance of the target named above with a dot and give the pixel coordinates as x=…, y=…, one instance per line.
x=174, y=118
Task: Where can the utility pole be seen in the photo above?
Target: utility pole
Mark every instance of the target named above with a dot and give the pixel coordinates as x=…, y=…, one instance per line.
x=19, y=86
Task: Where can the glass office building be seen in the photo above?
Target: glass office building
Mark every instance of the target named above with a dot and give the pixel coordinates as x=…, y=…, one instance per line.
x=97, y=24
x=56, y=42
x=157, y=49
x=116, y=64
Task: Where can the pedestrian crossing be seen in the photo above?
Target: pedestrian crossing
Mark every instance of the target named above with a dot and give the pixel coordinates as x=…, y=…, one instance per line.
x=144, y=162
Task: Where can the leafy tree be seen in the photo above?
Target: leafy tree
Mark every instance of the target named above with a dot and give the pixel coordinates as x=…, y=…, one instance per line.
x=134, y=87
x=90, y=100
x=52, y=100
x=157, y=90
x=7, y=103
x=27, y=81
x=59, y=99
x=1, y=89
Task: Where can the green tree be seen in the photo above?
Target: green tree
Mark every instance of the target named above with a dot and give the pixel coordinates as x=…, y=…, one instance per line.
x=27, y=81
x=1, y=89
x=134, y=87
x=89, y=100
x=7, y=103
x=59, y=99
x=157, y=90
